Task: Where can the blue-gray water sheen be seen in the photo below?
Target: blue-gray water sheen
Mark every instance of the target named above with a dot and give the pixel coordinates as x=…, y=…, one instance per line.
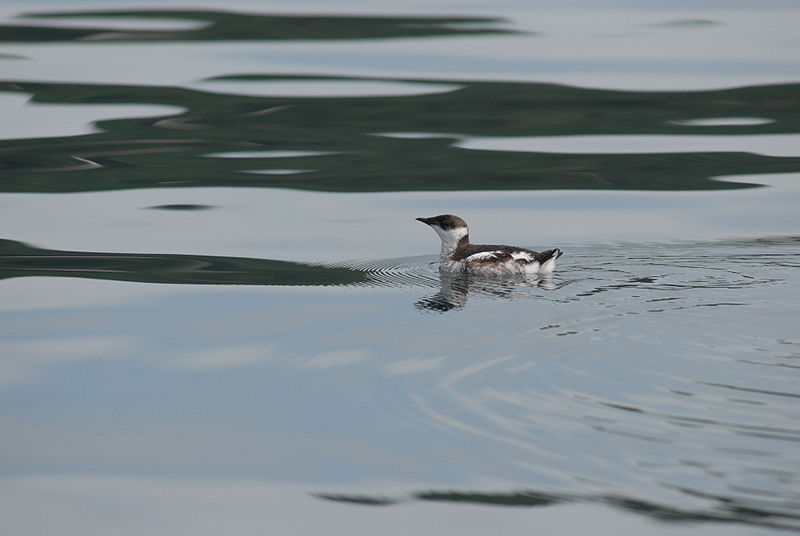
x=218, y=313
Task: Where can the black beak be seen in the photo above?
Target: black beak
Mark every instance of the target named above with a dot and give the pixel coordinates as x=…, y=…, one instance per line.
x=426, y=221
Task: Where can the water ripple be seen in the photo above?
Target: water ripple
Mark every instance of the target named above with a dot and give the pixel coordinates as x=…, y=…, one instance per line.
x=403, y=272
x=672, y=346
x=637, y=370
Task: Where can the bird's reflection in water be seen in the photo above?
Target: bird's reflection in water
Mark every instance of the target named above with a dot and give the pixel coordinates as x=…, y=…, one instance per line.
x=454, y=289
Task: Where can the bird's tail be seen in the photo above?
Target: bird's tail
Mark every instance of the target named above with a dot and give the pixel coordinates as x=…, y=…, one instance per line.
x=547, y=260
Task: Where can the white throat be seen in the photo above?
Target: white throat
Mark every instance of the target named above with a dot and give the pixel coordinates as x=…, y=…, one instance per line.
x=450, y=238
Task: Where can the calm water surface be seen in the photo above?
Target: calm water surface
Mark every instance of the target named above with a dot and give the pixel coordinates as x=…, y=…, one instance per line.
x=217, y=313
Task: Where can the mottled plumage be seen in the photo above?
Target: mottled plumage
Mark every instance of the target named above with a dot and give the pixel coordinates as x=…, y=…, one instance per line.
x=458, y=255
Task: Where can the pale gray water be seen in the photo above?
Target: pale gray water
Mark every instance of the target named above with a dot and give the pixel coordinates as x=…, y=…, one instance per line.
x=656, y=372
x=218, y=315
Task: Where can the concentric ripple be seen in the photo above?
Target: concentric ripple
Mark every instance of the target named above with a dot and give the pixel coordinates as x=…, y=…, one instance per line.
x=649, y=370
x=414, y=272
x=452, y=290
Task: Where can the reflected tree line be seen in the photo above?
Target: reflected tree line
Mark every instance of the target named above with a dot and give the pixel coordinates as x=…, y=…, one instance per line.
x=214, y=25
x=727, y=510
x=20, y=260
x=178, y=150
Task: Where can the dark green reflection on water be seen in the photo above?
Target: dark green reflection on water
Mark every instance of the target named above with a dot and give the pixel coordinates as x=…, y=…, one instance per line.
x=20, y=260
x=226, y=26
x=174, y=150
x=728, y=511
